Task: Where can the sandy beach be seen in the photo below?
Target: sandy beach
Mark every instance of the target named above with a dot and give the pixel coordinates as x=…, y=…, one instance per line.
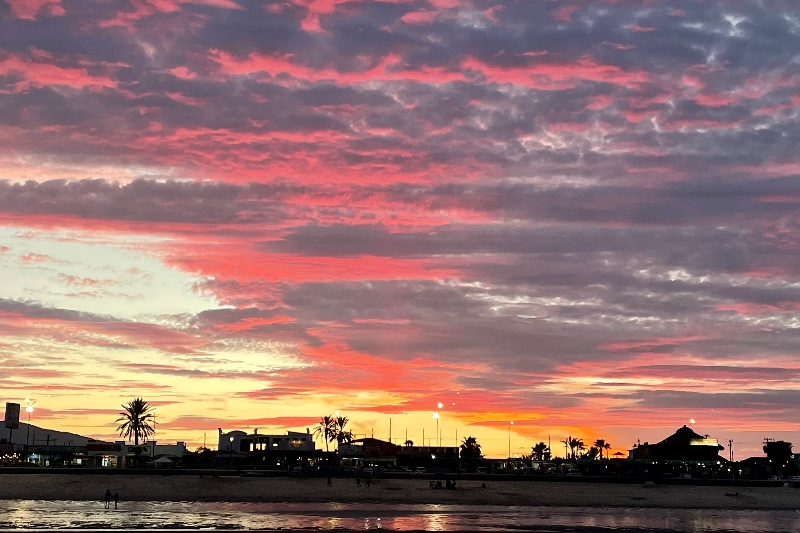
x=390, y=491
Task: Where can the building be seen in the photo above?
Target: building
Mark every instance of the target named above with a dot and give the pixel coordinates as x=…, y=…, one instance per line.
x=429, y=457
x=270, y=451
x=58, y=455
x=683, y=452
x=368, y=452
x=119, y=454
x=683, y=445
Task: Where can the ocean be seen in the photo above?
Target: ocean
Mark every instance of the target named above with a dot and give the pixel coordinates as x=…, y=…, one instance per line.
x=81, y=515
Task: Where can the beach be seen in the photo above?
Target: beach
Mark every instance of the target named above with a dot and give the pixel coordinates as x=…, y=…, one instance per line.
x=171, y=488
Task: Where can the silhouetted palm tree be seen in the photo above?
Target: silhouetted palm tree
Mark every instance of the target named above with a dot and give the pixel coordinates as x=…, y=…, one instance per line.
x=567, y=444
x=576, y=445
x=540, y=450
x=135, y=420
x=326, y=429
x=343, y=436
x=470, y=449
x=600, y=444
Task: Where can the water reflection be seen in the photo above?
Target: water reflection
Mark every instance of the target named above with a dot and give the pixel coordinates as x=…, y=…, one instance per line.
x=192, y=515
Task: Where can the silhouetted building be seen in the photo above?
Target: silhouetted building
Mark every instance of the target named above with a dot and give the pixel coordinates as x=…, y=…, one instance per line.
x=270, y=451
x=683, y=445
x=428, y=456
x=119, y=454
x=368, y=452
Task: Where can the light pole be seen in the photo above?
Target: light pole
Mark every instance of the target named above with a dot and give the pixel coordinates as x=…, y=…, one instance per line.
x=230, y=449
x=436, y=417
x=509, y=439
x=153, y=446
x=28, y=409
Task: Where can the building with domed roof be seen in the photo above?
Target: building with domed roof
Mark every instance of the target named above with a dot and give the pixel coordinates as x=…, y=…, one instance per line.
x=684, y=445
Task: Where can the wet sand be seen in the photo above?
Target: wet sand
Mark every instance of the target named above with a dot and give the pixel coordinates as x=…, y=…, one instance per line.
x=390, y=491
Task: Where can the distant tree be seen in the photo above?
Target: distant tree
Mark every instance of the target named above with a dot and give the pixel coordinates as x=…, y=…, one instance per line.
x=539, y=451
x=408, y=443
x=577, y=446
x=601, y=445
x=326, y=430
x=780, y=453
x=568, y=450
x=343, y=436
x=135, y=420
x=592, y=453
x=470, y=449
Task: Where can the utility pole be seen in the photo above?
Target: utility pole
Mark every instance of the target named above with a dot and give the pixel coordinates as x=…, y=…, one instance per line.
x=730, y=448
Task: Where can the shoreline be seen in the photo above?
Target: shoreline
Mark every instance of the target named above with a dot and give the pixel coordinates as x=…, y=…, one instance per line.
x=280, y=490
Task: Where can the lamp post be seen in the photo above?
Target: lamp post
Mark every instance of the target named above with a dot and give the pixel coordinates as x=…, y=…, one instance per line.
x=153, y=446
x=509, y=439
x=230, y=449
x=436, y=417
x=28, y=409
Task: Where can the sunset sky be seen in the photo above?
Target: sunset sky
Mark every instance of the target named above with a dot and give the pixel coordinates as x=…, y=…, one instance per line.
x=579, y=216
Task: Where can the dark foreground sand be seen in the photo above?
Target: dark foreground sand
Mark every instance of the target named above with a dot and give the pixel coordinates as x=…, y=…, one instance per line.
x=389, y=491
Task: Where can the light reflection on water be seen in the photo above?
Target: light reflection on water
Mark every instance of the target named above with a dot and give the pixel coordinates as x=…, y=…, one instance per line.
x=25, y=514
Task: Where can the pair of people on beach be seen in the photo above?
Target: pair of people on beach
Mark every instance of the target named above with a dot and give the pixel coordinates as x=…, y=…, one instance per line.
x=108, y=498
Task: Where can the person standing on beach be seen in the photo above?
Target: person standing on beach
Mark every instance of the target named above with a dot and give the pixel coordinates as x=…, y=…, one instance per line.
x=116, y=499
x=108, y=498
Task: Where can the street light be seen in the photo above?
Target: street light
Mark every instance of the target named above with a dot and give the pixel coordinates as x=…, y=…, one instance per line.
x=436, y=417
x=230, y=449
x=153, y=445
x=28, y=409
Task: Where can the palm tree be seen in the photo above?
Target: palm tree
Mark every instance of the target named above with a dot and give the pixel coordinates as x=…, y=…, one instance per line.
x=342, y=436
x=470, y=449
x=567, y=444
x=540, y=450
x=600, y=444
x=135, y=420
x=577, y=446
x=326, y=429
x=606, y=447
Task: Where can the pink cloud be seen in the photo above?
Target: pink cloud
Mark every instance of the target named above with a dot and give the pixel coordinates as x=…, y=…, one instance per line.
x=564, y=13
x=41, y=74
x=419, y=17
x=550, y=75
x=29, y=9
x=38, y=258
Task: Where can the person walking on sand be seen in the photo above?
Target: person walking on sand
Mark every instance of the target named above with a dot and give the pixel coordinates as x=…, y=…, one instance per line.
x=116, y=499
x=108, y=498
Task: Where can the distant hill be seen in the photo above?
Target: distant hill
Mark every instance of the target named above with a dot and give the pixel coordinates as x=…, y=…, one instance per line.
x=39, y=436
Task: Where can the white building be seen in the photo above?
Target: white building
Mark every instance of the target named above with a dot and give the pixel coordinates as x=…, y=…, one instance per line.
x=240, y=443
x=119, y=454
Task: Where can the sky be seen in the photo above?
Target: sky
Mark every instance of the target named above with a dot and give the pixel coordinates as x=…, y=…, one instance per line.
x=577, y=216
